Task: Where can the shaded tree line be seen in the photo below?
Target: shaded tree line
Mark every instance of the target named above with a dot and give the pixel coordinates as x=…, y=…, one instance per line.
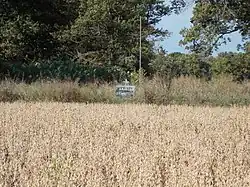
x=39, y=38
x=231, y=64
x=99, y=39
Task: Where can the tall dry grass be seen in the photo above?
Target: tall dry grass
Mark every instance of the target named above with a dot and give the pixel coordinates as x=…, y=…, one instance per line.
x=52, y=144
x=184, y=90
x=218, y=92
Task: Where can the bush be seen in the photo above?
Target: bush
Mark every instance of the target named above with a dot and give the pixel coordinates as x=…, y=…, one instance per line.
x=61, y=69
x=236, y=65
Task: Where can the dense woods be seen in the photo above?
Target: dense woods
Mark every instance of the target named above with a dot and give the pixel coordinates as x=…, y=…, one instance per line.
x=99, y=39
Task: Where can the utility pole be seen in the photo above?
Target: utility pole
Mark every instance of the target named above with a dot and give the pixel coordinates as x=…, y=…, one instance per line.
x=140, y=55
x=140, y=44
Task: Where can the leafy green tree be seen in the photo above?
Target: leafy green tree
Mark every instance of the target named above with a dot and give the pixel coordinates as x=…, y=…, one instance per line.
x=28, y=29
x=179, y=64
x=234, y=64
x=213, y=21
x=108, y=32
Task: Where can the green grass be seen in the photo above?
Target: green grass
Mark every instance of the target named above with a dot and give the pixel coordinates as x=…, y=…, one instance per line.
x=190, y=91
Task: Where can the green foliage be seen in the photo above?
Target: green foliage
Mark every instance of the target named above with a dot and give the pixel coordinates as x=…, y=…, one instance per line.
x=60, y=68
x=234, y=64
x=28, y=29
x=134, y=78
x=98, y=40
x=108, y=32
x=178, y=64
x=212, y=21
x=101, y=34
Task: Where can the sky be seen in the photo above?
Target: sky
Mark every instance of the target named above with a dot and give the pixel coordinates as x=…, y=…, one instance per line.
x=175, y=23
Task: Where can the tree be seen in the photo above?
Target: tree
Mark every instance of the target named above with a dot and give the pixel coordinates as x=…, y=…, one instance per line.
x=99, y=33
x=108, y=32
x=213, y=20
x=234, y=64
x=179, y=64
x=28, y=29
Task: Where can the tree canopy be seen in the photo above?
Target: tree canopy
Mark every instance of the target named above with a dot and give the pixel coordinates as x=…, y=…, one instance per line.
x=213, y=20
x=103, y=30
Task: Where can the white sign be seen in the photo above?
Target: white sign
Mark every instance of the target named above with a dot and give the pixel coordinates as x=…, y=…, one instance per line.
x=125, y=90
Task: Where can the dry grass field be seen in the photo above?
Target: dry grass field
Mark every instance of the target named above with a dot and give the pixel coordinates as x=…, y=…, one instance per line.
x=53, y=144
